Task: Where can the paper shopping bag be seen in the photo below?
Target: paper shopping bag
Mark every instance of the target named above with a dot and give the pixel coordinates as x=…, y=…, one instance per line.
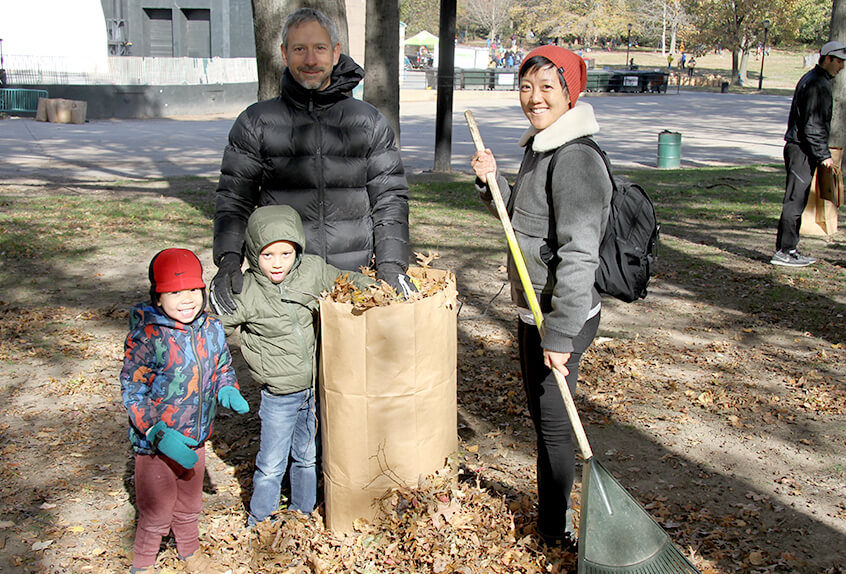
x=388, y=407
x=830, y=181
x=820, y=216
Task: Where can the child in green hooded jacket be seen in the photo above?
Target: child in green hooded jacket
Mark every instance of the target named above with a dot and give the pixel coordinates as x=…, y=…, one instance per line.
x=277, y=314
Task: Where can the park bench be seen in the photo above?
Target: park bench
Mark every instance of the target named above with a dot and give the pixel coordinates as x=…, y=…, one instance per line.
x=20, y=100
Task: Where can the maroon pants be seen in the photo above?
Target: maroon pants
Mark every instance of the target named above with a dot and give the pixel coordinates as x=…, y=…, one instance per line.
x=168, y=497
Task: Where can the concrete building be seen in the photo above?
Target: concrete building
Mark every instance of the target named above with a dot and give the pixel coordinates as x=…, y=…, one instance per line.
x=166, y=28
x=141, y=58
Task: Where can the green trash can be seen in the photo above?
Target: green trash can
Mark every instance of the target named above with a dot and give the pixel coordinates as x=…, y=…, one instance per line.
x=669, y=149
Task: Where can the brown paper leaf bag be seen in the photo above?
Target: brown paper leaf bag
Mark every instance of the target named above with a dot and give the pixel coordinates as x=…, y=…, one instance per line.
x=388, y=408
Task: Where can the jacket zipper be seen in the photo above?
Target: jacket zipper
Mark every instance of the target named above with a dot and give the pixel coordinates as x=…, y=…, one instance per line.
x=199, y=383
x=292, y=313
x=321, y=184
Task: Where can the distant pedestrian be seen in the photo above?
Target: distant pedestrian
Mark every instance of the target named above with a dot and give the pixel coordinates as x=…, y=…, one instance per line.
x=808, y=128
x=670, y=61
x=690, y=66
x=682, y=60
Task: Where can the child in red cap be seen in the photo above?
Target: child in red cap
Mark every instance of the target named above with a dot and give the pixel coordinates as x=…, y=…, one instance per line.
x=176, y=370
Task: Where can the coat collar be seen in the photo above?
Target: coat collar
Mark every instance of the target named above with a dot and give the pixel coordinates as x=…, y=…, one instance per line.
x=578, y=121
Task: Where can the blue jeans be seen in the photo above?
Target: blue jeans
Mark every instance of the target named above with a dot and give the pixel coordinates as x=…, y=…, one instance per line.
x=288, y=430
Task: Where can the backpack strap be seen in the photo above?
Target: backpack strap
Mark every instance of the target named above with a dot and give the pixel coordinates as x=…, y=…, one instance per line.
x=590, y=142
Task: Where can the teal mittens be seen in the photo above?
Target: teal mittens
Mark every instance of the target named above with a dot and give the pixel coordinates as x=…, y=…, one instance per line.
x=173, y=444
x=230, y=398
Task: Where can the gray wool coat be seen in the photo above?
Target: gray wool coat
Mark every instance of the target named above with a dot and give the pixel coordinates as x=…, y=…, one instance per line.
x=559, y=211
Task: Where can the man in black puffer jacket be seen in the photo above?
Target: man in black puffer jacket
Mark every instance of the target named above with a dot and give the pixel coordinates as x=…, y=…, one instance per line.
x=807, y=148
x=329, y=156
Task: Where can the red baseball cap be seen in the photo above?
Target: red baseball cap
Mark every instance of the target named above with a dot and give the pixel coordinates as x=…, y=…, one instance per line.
x=176, y=270
x=570, y=64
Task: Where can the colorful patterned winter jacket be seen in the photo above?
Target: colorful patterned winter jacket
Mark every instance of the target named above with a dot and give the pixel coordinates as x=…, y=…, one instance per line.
x=173, y=372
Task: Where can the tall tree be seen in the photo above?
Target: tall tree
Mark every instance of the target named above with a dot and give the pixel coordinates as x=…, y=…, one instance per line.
x=381, y=56
x=588, y=20
x=736, y=24
x=268, y=17
x=838, y=120
x=812, y=21
x=663, y=19
x=420, y=15
x=489, y=15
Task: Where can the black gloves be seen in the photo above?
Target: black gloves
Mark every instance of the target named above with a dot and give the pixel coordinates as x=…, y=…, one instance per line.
x=393, y=275
x=229, y=280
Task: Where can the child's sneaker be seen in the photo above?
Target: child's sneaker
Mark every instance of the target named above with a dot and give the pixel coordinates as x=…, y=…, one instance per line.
x=199, y=563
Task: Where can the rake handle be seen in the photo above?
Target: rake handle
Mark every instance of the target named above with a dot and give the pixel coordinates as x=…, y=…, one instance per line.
x=528, y=289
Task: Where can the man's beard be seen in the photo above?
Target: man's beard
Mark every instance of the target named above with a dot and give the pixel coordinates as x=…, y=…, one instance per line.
x=314, y=83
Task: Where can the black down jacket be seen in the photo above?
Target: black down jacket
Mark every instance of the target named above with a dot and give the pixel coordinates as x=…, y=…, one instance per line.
x=332, y=158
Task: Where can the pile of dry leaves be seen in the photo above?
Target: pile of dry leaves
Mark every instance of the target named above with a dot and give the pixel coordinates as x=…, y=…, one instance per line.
x=450, y=523
x=380, y=294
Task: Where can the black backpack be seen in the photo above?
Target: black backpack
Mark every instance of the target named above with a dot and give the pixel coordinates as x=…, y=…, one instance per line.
x=629, y=247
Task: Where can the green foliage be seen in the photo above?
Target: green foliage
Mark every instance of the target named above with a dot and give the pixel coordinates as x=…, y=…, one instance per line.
x=420, y=15
x=811, y=22
x=732, y=24
x=737, y=25
x=586, y=20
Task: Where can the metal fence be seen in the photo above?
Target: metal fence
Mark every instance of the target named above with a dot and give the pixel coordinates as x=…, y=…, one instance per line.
x=14, y=100
x=47, y=70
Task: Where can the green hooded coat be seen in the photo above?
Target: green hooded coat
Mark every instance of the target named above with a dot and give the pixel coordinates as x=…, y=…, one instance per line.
x=279, y=321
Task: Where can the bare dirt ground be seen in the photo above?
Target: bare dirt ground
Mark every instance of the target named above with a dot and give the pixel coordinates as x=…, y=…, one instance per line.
x=728, y=425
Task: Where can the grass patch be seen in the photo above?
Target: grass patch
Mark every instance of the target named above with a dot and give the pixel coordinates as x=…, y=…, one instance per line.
x=782, y=68
x=68, y=226
x=742, y=197
x=718, y=230
x=450, y=215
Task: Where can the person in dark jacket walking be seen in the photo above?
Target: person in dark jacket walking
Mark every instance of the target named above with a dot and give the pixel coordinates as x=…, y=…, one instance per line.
x=808, y=127
x=331, y=157
x=176, y=370
x=559, y=208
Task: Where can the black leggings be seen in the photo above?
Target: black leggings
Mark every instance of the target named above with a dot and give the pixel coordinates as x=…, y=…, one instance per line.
x=556, y=455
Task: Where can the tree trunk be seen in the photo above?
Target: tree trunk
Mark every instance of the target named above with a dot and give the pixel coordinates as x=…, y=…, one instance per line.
x=837, y=136
x=381, y=53
x=744, y=64
x=268, y=18
x=735, y=64
x=446, y=86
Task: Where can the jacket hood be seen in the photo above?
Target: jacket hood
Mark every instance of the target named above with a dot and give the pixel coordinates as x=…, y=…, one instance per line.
x=269, y=224
x=578, y=121
x=346, y=75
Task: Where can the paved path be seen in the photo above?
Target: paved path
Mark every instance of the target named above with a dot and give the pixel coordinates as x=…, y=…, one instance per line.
x=717, y=129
